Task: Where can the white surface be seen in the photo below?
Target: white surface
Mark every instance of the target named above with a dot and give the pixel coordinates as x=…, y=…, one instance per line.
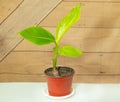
x=33, y=92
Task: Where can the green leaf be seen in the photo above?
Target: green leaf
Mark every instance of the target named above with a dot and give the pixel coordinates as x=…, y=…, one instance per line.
x=72, y=17
x=37, y=35
x=70, y=51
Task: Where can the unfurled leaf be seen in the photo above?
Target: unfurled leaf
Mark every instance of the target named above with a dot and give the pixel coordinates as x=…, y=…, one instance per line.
x=72, y=17
x=37, y=35
x=70, y=51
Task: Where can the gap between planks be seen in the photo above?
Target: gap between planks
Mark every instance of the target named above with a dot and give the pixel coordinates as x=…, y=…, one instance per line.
x=12, y=11
x=2, y=73
x=52, y=51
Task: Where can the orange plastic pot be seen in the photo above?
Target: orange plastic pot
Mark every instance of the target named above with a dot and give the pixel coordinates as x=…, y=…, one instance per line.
x=60, y=86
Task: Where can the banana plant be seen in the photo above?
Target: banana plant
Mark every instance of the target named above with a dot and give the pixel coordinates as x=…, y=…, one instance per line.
x=40, y=36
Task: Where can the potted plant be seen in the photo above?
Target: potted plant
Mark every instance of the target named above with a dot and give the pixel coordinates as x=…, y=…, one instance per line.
x=59, y=78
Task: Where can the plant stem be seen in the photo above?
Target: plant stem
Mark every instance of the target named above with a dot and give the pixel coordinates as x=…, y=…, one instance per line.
x=55, y=59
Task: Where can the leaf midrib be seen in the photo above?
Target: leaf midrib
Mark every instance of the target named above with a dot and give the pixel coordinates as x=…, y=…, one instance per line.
x=42, y=38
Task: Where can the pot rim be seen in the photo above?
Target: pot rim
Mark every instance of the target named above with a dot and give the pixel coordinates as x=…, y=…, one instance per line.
x=72, y=72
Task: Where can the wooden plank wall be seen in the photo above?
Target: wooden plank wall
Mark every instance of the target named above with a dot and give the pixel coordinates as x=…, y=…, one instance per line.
x=97, y=34
x=20, y=18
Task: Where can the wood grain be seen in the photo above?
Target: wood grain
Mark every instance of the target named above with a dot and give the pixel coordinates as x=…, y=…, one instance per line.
x=77, y=79
x=86, y=39
x=97, y=79
x=37, y=62
x=93, y=14
x=7, y=7
x=20, y=19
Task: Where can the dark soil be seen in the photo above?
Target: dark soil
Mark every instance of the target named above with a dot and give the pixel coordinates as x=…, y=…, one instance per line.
x=62, y=72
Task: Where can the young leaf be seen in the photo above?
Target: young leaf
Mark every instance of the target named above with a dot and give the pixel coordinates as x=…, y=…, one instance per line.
x=37, y=35
x=72, y=17
x=70, y=51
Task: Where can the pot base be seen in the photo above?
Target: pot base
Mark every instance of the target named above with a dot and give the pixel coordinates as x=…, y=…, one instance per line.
x=45, y=92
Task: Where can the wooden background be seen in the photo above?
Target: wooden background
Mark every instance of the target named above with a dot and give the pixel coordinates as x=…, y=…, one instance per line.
x=97, y=34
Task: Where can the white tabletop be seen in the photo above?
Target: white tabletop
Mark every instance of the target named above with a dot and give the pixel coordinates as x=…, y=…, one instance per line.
x=34, y=92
